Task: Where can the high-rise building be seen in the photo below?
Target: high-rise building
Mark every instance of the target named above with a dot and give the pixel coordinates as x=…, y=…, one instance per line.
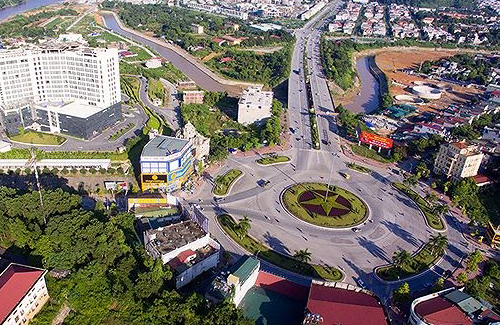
x=55, y=75
x=458, y=160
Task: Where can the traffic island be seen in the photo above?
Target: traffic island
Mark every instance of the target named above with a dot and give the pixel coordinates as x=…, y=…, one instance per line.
x=418, y=263
x=223, y=183
x=272, y=160
x=323, y=205
x=230, y=227
x=432, y=219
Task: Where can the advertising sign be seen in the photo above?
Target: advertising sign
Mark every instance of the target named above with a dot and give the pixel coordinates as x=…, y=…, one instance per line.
x=154, y=178
x=375, y=140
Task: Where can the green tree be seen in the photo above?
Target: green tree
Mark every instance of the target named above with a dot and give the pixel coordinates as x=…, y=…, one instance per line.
x=462, y=277
x=303, y=255
x=243, y=226
x=401, y=258
x=473, y=260
x=438, y=285
x=438, y=244
x=402, y=294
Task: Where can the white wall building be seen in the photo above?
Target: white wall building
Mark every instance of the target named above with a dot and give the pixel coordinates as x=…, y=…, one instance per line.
x=243, y=277
x=492, y=134
x=458, y=160
x=13, y=164
x=254, y=105
x=57, y=72
x=23, y=293
x=186, y=247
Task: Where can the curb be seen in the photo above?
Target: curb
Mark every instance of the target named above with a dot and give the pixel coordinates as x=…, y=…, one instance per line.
x=422, y=212
x=411, y=277
x=274, y=164
x=266, y=261
x=325, y=227
x=230, y=186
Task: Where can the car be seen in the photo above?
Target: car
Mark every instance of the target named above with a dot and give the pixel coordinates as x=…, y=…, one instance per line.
x=345, y=175
x=356, y=229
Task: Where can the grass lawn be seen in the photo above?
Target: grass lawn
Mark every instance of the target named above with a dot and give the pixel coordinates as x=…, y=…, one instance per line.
x=350, y=213
x=39, y=138
x=54, y=23
x=108, y=37
x=420, y=261
x=156, y=90
x=369, y=153
x=224, y=182
x=141, y=54
x=434, y=220
x=283, y=261
x=272, y=160
x=359, y=168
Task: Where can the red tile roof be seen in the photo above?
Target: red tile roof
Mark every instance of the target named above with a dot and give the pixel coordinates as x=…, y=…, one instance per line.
x=440, y=311
x=460, y=145
x=15, y=282
x=184, y=256
x=347, y=307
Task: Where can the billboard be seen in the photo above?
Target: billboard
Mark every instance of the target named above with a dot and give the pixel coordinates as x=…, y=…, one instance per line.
x=154, y=178
x=375, y=140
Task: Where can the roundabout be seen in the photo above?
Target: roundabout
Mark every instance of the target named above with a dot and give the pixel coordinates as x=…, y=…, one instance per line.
x=323, y=205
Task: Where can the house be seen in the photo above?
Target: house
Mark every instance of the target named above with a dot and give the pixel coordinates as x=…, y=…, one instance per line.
x=23, y=293
x=219, y=41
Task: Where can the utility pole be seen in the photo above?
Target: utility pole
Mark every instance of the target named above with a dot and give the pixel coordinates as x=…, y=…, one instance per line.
x=329, y=180
x=33, y=157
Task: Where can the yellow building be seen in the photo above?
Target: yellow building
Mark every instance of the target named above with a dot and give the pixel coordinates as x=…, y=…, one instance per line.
x=458, y=160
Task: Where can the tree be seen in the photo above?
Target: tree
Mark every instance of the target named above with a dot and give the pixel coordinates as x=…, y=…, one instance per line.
x=411, y=181
x=473, y=260
x=402, y=294
x=462, y=277
x=422, y=170
x=440, y=209
x=438, y=285
x=431, y=198
x=401, y=258
x=438, y=244
x=243, y=226
x=303, y=255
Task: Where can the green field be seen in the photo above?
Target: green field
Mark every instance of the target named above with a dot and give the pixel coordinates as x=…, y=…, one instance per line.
x=54, y=23
x=272, y=160
x=33, y=137
x=223, y=182
x=434, y=220
x=142, y=55
x=156, y=90
x=283, y=261
x=347, y=216
x=419, y=262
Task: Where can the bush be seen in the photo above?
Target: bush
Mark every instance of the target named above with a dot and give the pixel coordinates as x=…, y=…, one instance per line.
x=74, y=170
x=27, y=171
x=83, y=171
x=111, y=170
x=93, y=170
x=54, y=171
x=46, y=170
x=102, y=171
x=65, y=171
x=119, y=170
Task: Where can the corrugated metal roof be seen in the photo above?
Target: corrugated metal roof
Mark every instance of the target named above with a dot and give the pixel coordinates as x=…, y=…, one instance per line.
x=468, y=304
x=162, y=146
x=244, y=267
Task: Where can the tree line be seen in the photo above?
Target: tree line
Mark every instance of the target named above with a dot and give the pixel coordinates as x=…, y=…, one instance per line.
x=112, y=279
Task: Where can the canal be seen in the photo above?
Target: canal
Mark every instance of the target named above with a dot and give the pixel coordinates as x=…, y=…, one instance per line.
x=25, y=6
x=199, y=76
x=368, y=98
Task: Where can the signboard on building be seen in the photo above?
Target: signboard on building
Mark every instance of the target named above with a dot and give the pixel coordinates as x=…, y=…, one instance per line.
x=376, y=140
x=154, y=178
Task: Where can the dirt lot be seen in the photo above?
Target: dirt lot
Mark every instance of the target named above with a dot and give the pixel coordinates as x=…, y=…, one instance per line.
x=390, y=61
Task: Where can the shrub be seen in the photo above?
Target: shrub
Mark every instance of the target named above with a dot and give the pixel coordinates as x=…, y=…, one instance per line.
x=83, y=171
x=93, y=170
x=102, y=171
x=54, y=171
x=74, y=170
x=111, y=170
x=27, y=171
x=46, y=170
x=65, y=171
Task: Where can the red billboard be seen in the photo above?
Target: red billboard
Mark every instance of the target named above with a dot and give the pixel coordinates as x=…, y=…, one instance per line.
x=375, y=140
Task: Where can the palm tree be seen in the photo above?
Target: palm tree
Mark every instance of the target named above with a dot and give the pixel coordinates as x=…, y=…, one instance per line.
x=401, y=258
x=438, y=243
x=244, y=226
x=411, y=181
x=440, y=209
x=303, y=255
x=431, y=198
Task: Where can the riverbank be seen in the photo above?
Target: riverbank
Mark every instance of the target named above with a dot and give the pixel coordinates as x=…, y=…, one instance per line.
x=191, y=66
x=11, y=11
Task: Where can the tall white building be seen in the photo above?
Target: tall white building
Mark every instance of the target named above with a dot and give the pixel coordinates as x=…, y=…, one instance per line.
x=458, y=160
x=58, y=73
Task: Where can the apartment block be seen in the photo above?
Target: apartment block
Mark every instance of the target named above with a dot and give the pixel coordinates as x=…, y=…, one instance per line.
x=458, y=160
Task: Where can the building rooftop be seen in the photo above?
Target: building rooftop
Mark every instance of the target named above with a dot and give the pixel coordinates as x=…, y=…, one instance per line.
x=162, y=146
x=438, y=310
x=15, y=282
x=341, y=306
x=244, y=267
x=169, y=238
x=468, y=304
x=186, y=259
x=73, y=108
x=256, y=96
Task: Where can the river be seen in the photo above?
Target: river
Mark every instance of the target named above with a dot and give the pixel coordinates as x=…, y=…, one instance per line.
x=25, y=6
x=201, y=78
x=368, y=98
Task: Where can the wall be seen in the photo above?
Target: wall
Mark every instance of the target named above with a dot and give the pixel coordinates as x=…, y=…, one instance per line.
x=242, y=289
